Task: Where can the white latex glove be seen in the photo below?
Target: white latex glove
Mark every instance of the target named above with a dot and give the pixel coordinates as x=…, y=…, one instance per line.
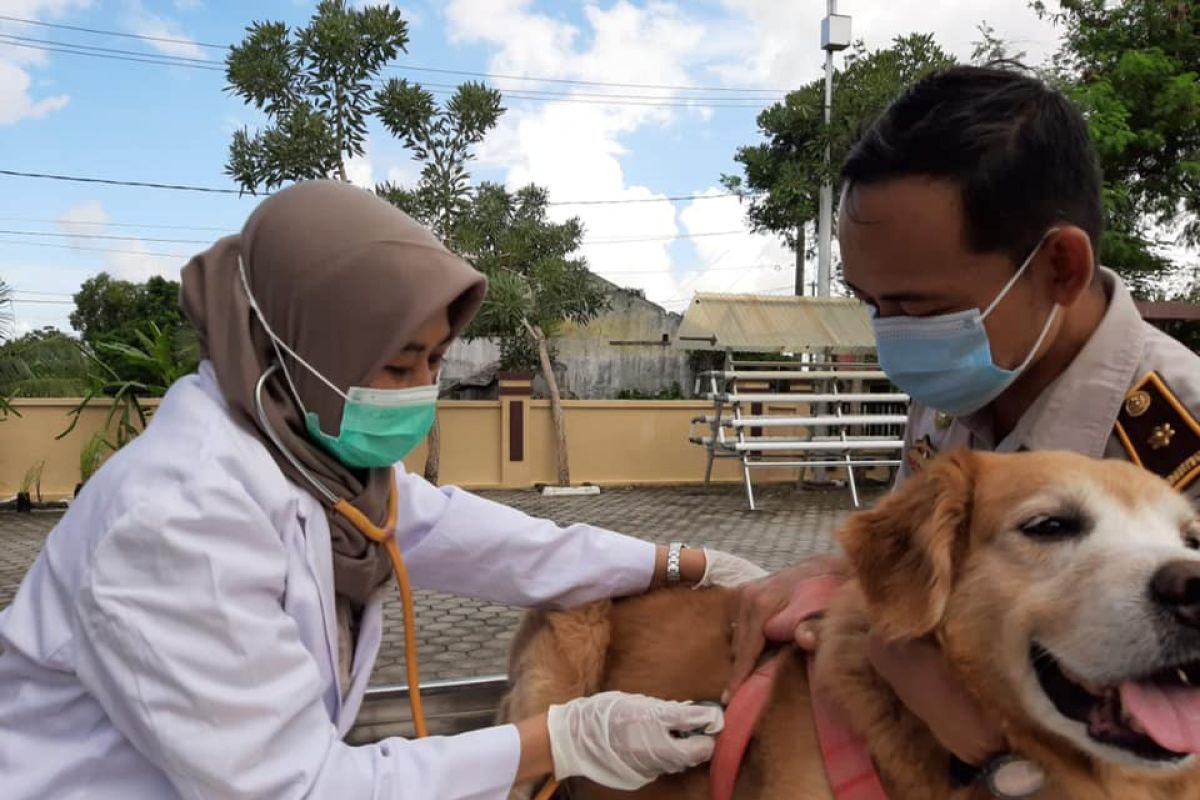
x=726, y=569
x=625, y=741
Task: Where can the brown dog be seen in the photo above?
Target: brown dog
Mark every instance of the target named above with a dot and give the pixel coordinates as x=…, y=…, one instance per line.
x=1064, y=592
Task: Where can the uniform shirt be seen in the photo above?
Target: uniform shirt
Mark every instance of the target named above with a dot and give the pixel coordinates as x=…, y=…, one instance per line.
x=1129, y=373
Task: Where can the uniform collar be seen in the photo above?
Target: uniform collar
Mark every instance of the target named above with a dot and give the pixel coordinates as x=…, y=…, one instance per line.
x=1077, y=411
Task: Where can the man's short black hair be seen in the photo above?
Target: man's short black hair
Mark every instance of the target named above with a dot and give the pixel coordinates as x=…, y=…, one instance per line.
x=1018, y=150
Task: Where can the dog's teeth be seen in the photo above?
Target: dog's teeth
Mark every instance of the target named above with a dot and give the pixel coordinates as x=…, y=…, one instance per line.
x=1183, y=678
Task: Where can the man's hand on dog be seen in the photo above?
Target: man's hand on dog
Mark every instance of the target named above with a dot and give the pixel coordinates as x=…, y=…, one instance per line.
x=765, y=611
x=771, y=609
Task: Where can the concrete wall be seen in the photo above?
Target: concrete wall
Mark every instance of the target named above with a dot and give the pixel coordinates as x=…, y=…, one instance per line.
x=30, y=439
x=610, y=443
x=589, y=366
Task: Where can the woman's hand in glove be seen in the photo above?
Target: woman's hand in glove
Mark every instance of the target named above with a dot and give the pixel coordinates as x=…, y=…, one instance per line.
x=726, y=569
x=625, y=741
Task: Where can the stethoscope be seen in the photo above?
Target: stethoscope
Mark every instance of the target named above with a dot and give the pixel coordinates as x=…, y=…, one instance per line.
x=384, y=536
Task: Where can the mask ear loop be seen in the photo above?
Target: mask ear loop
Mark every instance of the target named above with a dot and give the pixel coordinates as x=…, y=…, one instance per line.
x=1017, y=275
x=384, y=536
x=264, y=422
x=1041, y=338
x=281, y=346
x=1012, y=282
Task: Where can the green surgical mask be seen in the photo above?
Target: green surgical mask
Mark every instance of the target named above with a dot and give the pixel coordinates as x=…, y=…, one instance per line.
x=379, y=426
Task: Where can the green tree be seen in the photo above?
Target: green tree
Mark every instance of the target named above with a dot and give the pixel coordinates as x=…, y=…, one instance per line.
x=126, y=374
x=7, y=325
x=116, y=312
x=441, y=140
x=1132, y=66
x=44, y=363
x=535, y=284
x=782, y=175
x=108, y=309
x=990, y=47
x=316, y=85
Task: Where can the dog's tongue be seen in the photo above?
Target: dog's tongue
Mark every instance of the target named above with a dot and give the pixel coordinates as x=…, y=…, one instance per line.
x=1170, y=715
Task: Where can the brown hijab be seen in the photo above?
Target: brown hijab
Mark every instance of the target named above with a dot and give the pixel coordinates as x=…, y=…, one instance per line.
x=344, y=279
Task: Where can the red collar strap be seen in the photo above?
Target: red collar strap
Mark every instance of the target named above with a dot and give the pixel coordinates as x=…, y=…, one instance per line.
x=848, y=765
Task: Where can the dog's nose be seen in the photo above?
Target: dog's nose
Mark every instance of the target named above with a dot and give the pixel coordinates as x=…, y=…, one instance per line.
x=1176, y=586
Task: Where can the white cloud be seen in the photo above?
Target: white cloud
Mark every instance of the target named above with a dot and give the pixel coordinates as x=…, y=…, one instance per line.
x=84, y=218
x=405, y=174
x=17, y=103
x=575, y=149
x=364, y=170
x=140, y=264
x=743, y=263
x=146, y=23
x=132, y=260
x=772, y=44
x=575, y=153
x=360, y=171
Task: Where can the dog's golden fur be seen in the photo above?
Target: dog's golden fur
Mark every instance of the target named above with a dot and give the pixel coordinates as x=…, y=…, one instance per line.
x=936, y=558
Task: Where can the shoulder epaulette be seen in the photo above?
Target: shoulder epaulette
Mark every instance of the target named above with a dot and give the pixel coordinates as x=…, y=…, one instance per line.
x=1159, y=433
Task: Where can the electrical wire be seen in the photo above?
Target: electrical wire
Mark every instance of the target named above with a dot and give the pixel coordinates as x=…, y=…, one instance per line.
x=216, y=190
x=408, y=67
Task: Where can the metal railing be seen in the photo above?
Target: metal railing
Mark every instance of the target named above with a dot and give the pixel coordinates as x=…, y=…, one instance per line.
x=855, y=419
x=451, y=706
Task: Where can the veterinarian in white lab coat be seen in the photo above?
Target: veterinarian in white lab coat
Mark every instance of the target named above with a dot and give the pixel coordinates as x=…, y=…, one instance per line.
x=203, y=623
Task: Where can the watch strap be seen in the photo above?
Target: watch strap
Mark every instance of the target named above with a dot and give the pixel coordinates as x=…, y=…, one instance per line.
x=673, y=551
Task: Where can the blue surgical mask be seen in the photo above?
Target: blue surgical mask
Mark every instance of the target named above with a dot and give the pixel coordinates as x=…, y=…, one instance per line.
x=945, y=362
x=379, y=427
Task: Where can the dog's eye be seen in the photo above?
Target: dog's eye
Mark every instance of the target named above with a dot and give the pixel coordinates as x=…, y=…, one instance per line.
x=1191, y=535
x=1048, y=526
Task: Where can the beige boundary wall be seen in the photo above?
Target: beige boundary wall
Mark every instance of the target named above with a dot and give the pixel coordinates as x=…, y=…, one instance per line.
x=486, y=444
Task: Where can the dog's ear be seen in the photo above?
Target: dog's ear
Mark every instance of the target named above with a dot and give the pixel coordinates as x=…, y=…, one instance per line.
x=904, y=550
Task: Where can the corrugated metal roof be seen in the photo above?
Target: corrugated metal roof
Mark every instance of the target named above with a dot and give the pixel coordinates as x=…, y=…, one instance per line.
x=775, y=324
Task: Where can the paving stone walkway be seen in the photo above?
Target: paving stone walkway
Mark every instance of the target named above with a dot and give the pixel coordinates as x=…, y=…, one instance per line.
x=460, y=638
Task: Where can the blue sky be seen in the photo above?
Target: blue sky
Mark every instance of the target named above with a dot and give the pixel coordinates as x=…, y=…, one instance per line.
x=78, y=115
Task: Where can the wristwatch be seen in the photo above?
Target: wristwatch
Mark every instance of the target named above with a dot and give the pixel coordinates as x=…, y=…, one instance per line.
x=673, y=551
x=1007, y=777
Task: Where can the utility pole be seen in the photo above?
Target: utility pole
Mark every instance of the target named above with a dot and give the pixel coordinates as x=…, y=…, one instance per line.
x=835, y=35
x=800, y=260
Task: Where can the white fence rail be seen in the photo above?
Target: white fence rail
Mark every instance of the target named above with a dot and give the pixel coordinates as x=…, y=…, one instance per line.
x=844, y=422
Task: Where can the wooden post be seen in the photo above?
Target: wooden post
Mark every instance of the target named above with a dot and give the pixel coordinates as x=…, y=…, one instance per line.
x=516, y=389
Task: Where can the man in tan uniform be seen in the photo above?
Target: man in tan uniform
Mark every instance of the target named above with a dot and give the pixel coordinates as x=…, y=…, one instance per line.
x=1132, y=392
x=969, y=225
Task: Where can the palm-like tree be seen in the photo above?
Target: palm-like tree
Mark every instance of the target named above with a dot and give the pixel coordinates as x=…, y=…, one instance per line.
x=8, y=320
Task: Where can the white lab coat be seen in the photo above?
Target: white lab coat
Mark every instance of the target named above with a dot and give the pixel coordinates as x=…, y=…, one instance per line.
x=176, y=636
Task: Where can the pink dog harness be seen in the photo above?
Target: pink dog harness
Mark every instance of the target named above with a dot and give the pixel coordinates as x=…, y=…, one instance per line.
x=848, y=765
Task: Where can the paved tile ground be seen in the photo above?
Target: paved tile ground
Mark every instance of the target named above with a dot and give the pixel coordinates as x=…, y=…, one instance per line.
x=21, y=537
x=460, y=638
